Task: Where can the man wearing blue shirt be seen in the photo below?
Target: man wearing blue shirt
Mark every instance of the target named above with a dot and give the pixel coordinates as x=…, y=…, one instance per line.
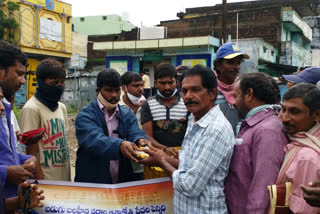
x=198, y=176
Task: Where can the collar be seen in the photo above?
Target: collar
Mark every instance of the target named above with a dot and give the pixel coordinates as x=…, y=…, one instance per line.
x=159, y=99
x=6, y=101
x=102, y=108
x=205, y=120
x=255, y=119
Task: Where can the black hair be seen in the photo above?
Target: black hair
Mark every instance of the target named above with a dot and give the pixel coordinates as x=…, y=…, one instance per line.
x=10, y=55
x=262, y=87
x=308, y=92
x=108, y=77
x=276, y=88
x=209, y=80
x=165, y=70
x=129, y=77
x=50, y=69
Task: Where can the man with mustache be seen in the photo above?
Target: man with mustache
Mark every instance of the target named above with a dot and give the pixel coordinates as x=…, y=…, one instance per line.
x=164, y=116
x=43, y=110
x=300, y=115
x=108, y=135
x=227, y=67
x=258, y=153
x=198, y=175
x=15, y=168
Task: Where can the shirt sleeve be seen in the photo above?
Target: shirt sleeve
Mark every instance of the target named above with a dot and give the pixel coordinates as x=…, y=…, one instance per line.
x=3, y=174
x=301, y=171
x=206, y=158
x=29, y=119
x=267, y=157
x=145, y=112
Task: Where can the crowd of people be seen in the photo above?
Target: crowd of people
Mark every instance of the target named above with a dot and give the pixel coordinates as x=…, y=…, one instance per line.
x=222, y=137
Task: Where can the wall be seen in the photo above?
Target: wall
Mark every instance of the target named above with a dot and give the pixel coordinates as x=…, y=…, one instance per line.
x=101, y=25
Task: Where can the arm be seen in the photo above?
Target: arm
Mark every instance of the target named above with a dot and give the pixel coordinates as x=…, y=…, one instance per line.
x=211, y=151
x=267, y=157
x=30, y=120
x=301, y=171
x=92, y=138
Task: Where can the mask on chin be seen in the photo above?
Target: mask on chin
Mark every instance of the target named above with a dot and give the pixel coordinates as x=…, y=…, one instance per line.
x=106, y=104
x=135, y=100
x=167, y=97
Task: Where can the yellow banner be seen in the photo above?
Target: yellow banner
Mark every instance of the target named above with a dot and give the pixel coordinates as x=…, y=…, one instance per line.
x=140, y=197
x=41, y=3
x=192, y=62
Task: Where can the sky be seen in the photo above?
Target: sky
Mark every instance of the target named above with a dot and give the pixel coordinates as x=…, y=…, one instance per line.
x=147, y=12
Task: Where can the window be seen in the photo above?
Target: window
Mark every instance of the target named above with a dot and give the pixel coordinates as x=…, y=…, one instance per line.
x=82, y=19
x=104, y=17
x=68, y=19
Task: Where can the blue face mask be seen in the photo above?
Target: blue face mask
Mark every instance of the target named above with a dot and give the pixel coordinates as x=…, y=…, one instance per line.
x=167, y=97
x=49, y=95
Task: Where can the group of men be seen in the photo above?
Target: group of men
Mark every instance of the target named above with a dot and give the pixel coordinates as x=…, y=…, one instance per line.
x=234, y=136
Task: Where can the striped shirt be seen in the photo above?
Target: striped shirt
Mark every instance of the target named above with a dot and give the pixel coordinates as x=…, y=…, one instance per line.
x=204, y=162
x=169, y=124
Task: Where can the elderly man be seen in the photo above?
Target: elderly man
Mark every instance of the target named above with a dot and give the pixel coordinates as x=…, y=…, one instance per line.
x=258, y=153
x=300, y=115
x=227, y=68
x=108, y=135
x=198, y=176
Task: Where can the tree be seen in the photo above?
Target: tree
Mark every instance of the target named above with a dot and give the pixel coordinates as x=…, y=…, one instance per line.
x=8, y=23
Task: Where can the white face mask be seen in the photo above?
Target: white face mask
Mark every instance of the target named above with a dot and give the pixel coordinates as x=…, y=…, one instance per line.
x=135, y=100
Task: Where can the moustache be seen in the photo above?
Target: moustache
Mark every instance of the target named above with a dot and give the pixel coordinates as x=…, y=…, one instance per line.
x=189, y=102
x=289, y=125
x=113, y=100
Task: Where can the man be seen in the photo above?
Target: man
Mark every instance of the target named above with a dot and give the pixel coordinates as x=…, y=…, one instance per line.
x=300, y=115
x=146, y=84
x=227, y=68
x=43, y=110
x=258, y=153
x=308, y=75
x=164, y=116
x=206, y=150
x=132, y=86
x=107, y=134
x=14, y=168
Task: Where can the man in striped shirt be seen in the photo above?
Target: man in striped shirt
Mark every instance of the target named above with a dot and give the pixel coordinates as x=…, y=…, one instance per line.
x=199, y=174
x=163, y=117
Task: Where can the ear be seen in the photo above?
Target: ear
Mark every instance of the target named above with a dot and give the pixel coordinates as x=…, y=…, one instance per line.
x=213, y=94
x=2, y=74
x=123, y=87
x=249, y=95
x=316, y=116
x=97, y=90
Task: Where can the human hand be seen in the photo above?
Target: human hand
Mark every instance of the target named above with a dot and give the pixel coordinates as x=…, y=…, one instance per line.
x=36, y=196
x=171, y=151
x=311, y=193
x=143, y=142
x=30, y=164
x=155, y=156
x=17, y=174
x=34, y=139
x=129, y=149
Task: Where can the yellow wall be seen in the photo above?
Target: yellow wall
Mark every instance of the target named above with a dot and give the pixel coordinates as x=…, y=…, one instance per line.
x=27, y=35
x=31, y=77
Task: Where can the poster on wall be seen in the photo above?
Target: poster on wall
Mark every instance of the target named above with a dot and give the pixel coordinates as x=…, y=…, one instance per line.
x=119, y=65
x=148, y=196
x=41, y=3
x=192, y=62
x=50, y=30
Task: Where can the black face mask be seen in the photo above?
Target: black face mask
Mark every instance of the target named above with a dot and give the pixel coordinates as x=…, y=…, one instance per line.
x=49, y=95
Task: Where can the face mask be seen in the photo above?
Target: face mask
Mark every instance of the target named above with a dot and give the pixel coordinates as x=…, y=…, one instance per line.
x=49, y=95
x=105, y=103
x=164, y=97
x=136, y=100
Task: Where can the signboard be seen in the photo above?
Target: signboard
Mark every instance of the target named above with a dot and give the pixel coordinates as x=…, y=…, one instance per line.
x=41, y=3
x=75, y=60
x=121, y=66
x=148, y=196
x=192, y=62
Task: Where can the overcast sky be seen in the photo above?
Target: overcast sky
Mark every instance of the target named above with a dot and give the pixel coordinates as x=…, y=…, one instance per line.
x=149, y=12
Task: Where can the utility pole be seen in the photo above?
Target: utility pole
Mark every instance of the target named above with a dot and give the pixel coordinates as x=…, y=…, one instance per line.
x=223, y=22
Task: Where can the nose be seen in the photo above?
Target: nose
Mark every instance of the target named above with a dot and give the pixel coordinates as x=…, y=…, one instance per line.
x=1, y=107
x=22, y=80
x=237, y=66
x=284, y=116
x=188, y=95
x=141, y=89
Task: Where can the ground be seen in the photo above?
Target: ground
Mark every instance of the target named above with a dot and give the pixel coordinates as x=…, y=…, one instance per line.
x=72, y=143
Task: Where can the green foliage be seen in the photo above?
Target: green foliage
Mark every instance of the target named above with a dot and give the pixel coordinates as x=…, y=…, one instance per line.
x=8, y=24
x=72, y=109
x=17, y=111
